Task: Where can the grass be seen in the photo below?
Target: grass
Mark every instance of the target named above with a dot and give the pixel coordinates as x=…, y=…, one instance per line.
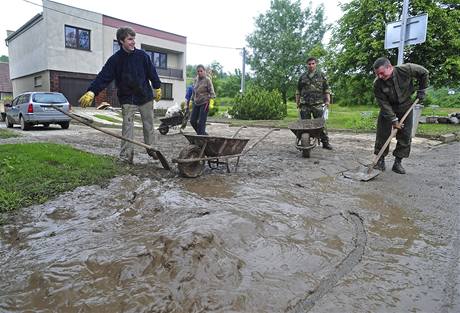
x=5, y=133
x=36, y=172
x=352, y=118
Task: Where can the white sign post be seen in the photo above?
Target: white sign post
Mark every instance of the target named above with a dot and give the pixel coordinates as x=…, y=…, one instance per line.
x=408, y=31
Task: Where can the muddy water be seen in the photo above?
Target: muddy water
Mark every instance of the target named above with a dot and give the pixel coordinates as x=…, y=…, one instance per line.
x=284, y=234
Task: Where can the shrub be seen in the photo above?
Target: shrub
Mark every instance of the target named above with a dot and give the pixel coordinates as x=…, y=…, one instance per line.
x=442, y=98
x=367, y=121
x=259, y=104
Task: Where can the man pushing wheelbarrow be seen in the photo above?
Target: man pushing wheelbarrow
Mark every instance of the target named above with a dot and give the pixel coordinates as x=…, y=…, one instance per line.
x=313, y=97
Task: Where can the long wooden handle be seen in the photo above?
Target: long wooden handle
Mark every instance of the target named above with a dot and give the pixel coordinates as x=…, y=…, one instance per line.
x=393, y=133
x=259, y=140
x=160, y=156
x=83, y=121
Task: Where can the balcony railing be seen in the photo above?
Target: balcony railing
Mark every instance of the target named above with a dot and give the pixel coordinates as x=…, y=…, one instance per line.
x=170, y=72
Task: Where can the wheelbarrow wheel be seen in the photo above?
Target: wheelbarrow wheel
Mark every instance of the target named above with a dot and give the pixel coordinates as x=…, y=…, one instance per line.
x=190, y=169
x=305, y=142
x=163, y=129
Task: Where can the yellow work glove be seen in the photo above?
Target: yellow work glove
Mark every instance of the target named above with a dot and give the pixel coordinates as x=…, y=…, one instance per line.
x=87, y=99
x=211, y=104
x=157, y=94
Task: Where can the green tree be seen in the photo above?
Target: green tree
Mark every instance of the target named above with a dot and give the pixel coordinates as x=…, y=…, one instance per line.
x=284, y=37
x=358, y=39
x=4, y=58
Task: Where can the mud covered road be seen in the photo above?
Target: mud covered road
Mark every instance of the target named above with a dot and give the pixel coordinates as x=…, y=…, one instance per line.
x=284, y=234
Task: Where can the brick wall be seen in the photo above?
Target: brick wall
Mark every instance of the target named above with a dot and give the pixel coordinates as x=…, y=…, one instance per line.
x=73, y=85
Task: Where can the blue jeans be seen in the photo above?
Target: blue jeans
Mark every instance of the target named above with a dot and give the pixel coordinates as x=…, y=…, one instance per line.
x=198, y=118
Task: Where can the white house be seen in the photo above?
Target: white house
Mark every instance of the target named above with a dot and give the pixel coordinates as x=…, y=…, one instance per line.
x=63, y=48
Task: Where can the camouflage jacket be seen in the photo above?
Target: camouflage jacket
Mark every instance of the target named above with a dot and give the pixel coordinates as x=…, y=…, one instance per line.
x=312, y=90
x=394, y=94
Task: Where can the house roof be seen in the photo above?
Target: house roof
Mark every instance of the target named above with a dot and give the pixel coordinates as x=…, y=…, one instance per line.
x=34, y=20
x=5, y=82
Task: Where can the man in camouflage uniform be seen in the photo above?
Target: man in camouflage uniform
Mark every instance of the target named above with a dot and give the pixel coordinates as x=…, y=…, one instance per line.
x=393, y=88
x=313, y=96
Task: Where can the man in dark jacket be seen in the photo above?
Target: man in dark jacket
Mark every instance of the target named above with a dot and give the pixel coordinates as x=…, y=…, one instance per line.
x=132, y=69
x=393, y=88
x=313, y=96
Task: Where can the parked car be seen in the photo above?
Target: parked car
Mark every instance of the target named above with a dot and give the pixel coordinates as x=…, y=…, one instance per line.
x=32, y=108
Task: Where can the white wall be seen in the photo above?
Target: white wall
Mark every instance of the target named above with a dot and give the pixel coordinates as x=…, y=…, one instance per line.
x=27, y=52
x=59, y=57
x=27, y=83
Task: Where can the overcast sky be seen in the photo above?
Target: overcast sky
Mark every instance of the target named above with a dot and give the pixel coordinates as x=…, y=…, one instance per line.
x=223, y=23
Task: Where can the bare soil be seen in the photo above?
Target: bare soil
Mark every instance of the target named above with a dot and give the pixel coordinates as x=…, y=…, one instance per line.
x=283, y=234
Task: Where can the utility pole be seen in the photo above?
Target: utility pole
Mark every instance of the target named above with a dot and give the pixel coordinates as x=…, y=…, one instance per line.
x=243, y=72
x=402, y=41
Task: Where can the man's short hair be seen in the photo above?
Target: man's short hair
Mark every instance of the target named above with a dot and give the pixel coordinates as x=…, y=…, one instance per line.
x=312, y=59
x=381, y=62
x=124, y=32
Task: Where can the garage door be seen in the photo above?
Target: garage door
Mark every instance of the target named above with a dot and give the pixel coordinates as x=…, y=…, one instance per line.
x=73, y=88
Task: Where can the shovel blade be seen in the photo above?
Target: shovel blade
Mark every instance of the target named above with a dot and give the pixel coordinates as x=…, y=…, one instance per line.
x=163, y=161
x=362, y=174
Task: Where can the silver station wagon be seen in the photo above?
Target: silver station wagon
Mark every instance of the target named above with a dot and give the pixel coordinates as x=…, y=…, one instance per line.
x=33, y=108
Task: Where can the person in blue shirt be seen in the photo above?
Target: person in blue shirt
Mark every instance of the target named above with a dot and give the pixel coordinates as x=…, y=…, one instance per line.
x=188, y=96
x=134, y=75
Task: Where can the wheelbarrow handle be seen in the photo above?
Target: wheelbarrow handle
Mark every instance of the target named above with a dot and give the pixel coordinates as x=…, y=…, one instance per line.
x=259, y=140
x=238, y=130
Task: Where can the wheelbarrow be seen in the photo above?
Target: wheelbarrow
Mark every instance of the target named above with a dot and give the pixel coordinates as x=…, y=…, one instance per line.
x=175, y=120
x=307, y=134
x=214, y=150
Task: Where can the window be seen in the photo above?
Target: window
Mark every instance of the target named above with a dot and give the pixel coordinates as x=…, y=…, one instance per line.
x=115, y=47
x=77, y=38
x=159, y=59
x=49, y=98
x=23, y=98
x=37, y=81
x=166, y=91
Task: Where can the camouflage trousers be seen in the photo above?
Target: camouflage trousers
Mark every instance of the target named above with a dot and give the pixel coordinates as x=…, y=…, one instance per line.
x=403, y=136
x=307, y=111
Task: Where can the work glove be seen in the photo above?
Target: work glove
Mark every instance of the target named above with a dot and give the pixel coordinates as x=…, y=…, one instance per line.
x=157, y=94
x=211, y=104
x=420, y=95
x=87, y=99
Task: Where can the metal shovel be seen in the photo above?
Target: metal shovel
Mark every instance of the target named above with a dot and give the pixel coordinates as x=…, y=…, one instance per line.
x=82, y=120
x=367, y=173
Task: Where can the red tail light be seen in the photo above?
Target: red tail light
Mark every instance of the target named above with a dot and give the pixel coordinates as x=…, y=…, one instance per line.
x=30, y=108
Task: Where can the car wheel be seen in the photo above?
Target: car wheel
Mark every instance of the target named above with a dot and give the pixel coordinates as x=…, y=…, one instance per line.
x=8, y=123
x=65, y=125
x=24, y=124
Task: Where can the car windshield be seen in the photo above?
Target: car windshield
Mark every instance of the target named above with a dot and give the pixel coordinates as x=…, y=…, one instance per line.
x=49, y=98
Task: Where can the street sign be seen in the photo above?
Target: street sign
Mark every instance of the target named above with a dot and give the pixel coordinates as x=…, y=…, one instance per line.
x=415, y=31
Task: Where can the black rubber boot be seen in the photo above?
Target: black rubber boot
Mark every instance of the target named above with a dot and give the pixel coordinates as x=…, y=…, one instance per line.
x=397, y=167
x=327, y=145
x=380, y=164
